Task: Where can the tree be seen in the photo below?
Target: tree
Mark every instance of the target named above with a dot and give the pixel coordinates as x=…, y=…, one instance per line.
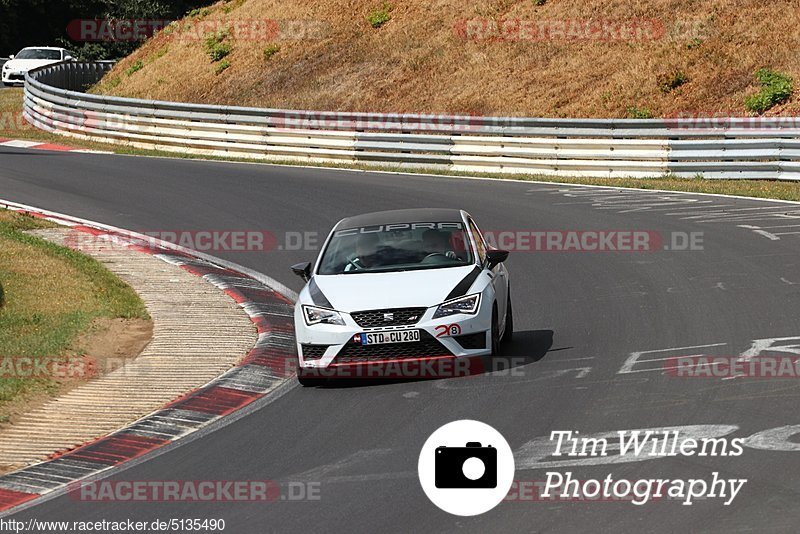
x=44, y=22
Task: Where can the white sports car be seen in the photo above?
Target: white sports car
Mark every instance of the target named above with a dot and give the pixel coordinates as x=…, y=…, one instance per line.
x=14, y=70
x=400, y=286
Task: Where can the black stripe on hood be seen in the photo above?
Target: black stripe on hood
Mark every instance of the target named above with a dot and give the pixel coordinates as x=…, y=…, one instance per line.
x=463, y=286
x=317, y=296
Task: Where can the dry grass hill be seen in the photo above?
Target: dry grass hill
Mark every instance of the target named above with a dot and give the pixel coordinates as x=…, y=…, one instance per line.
x=554, y=58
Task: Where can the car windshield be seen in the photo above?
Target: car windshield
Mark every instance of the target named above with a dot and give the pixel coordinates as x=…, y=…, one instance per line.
x=397, y=247
x=38, y=53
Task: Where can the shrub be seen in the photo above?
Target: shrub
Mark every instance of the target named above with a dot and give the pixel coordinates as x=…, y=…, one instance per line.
x=539, y=2
x=199, y=12
x=215, y=45
x=776, y=88
x=673, y=80
x=2, y=296
x=638, y=113
x=221, y=66
x=381, y=16
x=270, y=51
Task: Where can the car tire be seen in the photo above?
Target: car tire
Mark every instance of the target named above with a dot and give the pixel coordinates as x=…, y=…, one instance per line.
x=508, y=333
x=495, y=333
x=308, y=381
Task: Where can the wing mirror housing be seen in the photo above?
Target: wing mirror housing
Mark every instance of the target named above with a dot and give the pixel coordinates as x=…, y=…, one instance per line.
x=494, y=257
x=303, y=270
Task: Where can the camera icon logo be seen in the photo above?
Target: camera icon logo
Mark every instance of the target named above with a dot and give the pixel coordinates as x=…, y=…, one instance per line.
x=466, y=467
x=472, y=466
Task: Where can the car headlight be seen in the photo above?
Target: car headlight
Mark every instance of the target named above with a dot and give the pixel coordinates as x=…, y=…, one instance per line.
x=468, y=305
x=314, y=315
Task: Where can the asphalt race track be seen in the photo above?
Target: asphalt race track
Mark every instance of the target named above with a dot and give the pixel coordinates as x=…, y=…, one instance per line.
x=579, y=317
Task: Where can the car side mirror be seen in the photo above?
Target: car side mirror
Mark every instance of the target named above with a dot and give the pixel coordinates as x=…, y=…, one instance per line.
x=303, y=270
x=11, y=57
x=69, y=58
x=496, y=256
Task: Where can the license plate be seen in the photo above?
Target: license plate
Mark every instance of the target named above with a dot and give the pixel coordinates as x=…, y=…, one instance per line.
x=395, y=336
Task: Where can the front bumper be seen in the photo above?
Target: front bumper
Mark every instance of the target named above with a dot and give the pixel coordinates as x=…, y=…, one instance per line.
x=13, y=77
x=457, y=336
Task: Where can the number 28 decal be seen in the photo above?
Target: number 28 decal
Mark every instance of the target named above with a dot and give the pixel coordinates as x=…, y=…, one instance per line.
x=448, y=330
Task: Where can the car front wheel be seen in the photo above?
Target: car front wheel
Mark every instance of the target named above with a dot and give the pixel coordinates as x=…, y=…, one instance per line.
x=508, y=333
x=495, y=333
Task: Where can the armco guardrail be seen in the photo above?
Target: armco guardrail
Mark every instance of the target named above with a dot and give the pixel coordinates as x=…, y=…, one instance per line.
x=744, y=147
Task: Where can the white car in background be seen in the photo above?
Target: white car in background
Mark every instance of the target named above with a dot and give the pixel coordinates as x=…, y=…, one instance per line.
x=14, y=70
x=402, y=285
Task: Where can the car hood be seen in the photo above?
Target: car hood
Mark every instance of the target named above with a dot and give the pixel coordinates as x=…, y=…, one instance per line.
x=18, y=65
x=406, y=289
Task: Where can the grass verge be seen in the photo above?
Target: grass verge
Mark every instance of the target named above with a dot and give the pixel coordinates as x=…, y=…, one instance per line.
x=52, y=296
x=10, y=103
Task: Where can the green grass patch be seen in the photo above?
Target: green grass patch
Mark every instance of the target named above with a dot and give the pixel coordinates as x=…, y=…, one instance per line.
x=380, y=16
x=222, y=66
x=136, y=67
x=776, y=88
x=230, y=5
x=158, y=54
x=694, y=44
x=52, y=295
x=198, y=12
x=634, y=112
x=113, y=82
x=216, y=46
x=271, y=50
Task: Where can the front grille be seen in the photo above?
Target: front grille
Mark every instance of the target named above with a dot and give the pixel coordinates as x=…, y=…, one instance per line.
x=472, y=341
x=378, y=318
x=313, y=352
x=425, y=347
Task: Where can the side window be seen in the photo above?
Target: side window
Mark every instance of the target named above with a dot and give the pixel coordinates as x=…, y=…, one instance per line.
x=480, y=245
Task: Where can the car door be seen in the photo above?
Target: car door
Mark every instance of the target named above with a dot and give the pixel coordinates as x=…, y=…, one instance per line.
x=498, y=273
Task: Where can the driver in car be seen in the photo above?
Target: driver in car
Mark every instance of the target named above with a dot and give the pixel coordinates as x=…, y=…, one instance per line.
x=366, y=253
x=437, y=242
